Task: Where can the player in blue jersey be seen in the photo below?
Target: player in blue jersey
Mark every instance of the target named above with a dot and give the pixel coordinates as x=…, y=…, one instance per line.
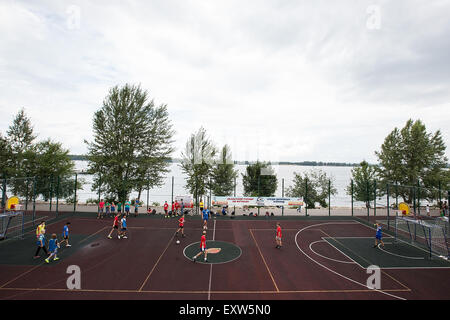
x=205, y=218
x=123, y=227
x=65, y=234
x=53, y=246
x=378, y=235
x=40, y=244
x=127, y=207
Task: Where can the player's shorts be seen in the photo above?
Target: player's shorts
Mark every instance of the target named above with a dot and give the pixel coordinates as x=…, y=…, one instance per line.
x=116, y=227
x=136, y=209
x=123, y=229
x=113, y=209
x=55, y=251
x=278, y=238
x=205, y=218
x=165, y=210
x=107, y=210
x=65, y=237
x=127, y=209
x=379, y=236
x=100, y=210
x=203, y=249
x=181, y=227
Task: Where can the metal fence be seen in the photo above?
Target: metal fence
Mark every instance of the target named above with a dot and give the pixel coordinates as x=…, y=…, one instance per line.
x=77, y=193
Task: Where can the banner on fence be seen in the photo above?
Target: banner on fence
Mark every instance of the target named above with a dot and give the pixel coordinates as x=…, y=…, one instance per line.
x=257, y=201
x=187, y=201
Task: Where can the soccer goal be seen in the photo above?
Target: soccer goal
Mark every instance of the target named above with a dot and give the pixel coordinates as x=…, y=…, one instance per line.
x=423, y=233
x=11, y=225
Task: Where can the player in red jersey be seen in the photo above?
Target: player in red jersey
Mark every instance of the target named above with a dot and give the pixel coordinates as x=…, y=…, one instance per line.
x=180, y=227
x=177, y=207
x=166, y=208
x=278, y=236
x=202, y=248
x=115, y=227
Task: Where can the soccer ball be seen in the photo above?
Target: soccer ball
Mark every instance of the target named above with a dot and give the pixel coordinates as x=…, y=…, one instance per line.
x=178, y=242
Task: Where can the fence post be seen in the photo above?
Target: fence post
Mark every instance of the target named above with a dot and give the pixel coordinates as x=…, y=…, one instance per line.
x=148, y=191
x=396, y=195
x=351, y=185
x=306, y=196
x=171, y=203
x=4, y=194
x=234, y=208
x=368, y=199
x=50, y=192
x=75, y=195
x=387, y=205
x=374, y=198
x=210, y=194
x=26, y=194
x=448, y=204
x=100, y=193
x=34, y=200
x=57, y=194
x=282, y=195
x=259, y=182
x=329, y=197
x=418, y=197
x=195, y=208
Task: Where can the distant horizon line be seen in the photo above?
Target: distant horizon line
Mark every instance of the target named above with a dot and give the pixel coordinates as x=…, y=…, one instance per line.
x=281, y=163
x=305, y=163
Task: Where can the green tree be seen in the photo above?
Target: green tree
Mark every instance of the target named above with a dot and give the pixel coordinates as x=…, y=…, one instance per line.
x=52, y=162
x=197, y=162
x=44, y=160
x=21, y=140
x=157, y=149
x=412, y=155
x=313, y=186
x=5, y=159
x=20, y=133
x=5, y=156
x=132, y=142
x=223, y=174
x=363, y=183
x=259, y=180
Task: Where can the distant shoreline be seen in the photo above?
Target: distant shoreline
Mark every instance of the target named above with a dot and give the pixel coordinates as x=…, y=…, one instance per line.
x=280, y=163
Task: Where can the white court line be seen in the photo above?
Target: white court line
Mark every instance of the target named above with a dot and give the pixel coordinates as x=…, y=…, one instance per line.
x=310, y=247
x=399, y=255
x=211, y=265
x=401, y=240
x=332, y=271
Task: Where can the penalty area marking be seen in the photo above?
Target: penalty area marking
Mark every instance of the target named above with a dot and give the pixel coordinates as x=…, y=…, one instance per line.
x=399, y=255
x=325, y=257
x=331, y=270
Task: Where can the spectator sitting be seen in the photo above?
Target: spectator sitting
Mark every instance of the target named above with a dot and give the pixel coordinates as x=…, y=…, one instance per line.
x=224, y=212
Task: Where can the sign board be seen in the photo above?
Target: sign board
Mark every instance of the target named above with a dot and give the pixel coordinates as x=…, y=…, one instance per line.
x=257, y=201
x=187, y=200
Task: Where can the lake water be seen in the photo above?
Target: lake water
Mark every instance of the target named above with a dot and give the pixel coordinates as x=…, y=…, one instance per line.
x=340, y=175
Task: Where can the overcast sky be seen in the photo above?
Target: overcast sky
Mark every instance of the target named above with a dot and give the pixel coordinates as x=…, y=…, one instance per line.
x=276, y=80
